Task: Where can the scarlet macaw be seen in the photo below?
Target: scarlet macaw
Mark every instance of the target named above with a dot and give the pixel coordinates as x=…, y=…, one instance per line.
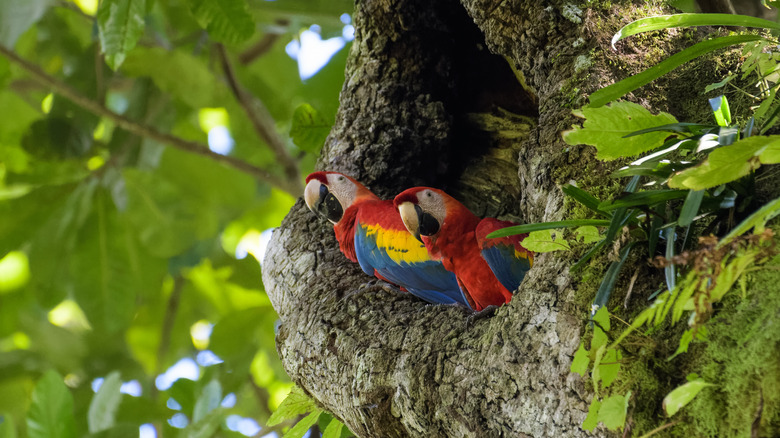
x=371, y=233
x=488, y=270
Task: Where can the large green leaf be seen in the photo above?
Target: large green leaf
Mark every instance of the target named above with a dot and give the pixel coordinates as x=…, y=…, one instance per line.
x=179, y=73
x=687, y=20
x=102, y=409
x=120, y=24
x=16, y=16
x=615, y=91
x=108, y=268
x=226, y=20
x=309, y=128
x=51, y=412
x=606, y=128
x=296, y=403
x=730, y=163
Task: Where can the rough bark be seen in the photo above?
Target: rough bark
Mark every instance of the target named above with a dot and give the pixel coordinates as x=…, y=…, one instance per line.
x=430, y=99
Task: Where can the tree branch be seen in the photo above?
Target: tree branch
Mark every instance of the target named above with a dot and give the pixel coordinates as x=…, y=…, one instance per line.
x=261, y=119
x=289, y=185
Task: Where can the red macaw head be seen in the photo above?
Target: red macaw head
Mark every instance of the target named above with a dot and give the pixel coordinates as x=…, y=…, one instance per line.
x=330, y=194
x=424, y=209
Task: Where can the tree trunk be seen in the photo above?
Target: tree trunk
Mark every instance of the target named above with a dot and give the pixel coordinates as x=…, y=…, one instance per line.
x=470, y=98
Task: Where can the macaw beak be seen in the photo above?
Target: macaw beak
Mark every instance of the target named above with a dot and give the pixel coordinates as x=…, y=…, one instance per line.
x=322, y=202
x=410, y=215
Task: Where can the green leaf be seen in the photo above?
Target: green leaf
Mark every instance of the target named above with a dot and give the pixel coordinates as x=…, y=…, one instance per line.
x=296, y=403
x=592, y=420
x=583, y=198
x=682, y=395
x=609, y=367
x=613, y=411
x=527, y=228
x=545, y=241
x=610, y=278
x=757, y=220
x=16, y=16
x=601, y=320
x=720, y=84
x=729, y=163
x=51, y=412
x=301, y=427
x=209, y=400
x=606, y=129
x=226, y=21
x=690, y=208
x=207, y=425
x=8, y=429
x=615, y=91
x=720, y=109
x=102, y=409
x=587, y=234
x=685, y=341
x=580, y=362
x=309, y=128
x=179, y=73
x=334, y=429
x=687, y=20
x=120, y=25
x=107, y=270
x=644, y=198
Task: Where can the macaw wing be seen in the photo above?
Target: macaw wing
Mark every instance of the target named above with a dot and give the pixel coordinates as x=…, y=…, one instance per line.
x=397, y=256
x=506, y=256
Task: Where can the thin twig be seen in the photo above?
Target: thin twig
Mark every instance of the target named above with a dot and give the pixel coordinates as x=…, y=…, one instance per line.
x=167, y=327
x=259, y=49
x=630, y=288
x=660, y=428
x=291, y=186
x=261, y=119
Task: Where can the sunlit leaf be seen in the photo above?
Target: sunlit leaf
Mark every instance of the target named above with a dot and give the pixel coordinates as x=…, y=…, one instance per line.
x=606, y=127
x=303, y=426
x=729, y=163
x=580, y=362
x=120, y=24
x=296, y=403
x=545, y=241
x=528, y=228
x=333, y=430
x=686, y=20
x=757, y=220
x=682, y=395
x=613, y=411
x=592, y=420
x=609, y=367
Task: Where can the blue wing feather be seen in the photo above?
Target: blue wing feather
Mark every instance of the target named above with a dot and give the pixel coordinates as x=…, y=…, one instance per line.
x=507, y=266
x=423, y=278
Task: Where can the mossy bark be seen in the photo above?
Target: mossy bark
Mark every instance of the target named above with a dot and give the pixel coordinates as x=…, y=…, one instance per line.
x=471, y=98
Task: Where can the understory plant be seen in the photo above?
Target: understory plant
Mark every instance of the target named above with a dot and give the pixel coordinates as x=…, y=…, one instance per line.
x=685, y=179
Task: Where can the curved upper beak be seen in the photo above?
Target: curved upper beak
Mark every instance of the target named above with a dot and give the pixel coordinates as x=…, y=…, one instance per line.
x=312, y=195
x=410, y=215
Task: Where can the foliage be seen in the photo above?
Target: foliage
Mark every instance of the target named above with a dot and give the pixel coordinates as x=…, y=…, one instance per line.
x=691, y=175
x=123, y=224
